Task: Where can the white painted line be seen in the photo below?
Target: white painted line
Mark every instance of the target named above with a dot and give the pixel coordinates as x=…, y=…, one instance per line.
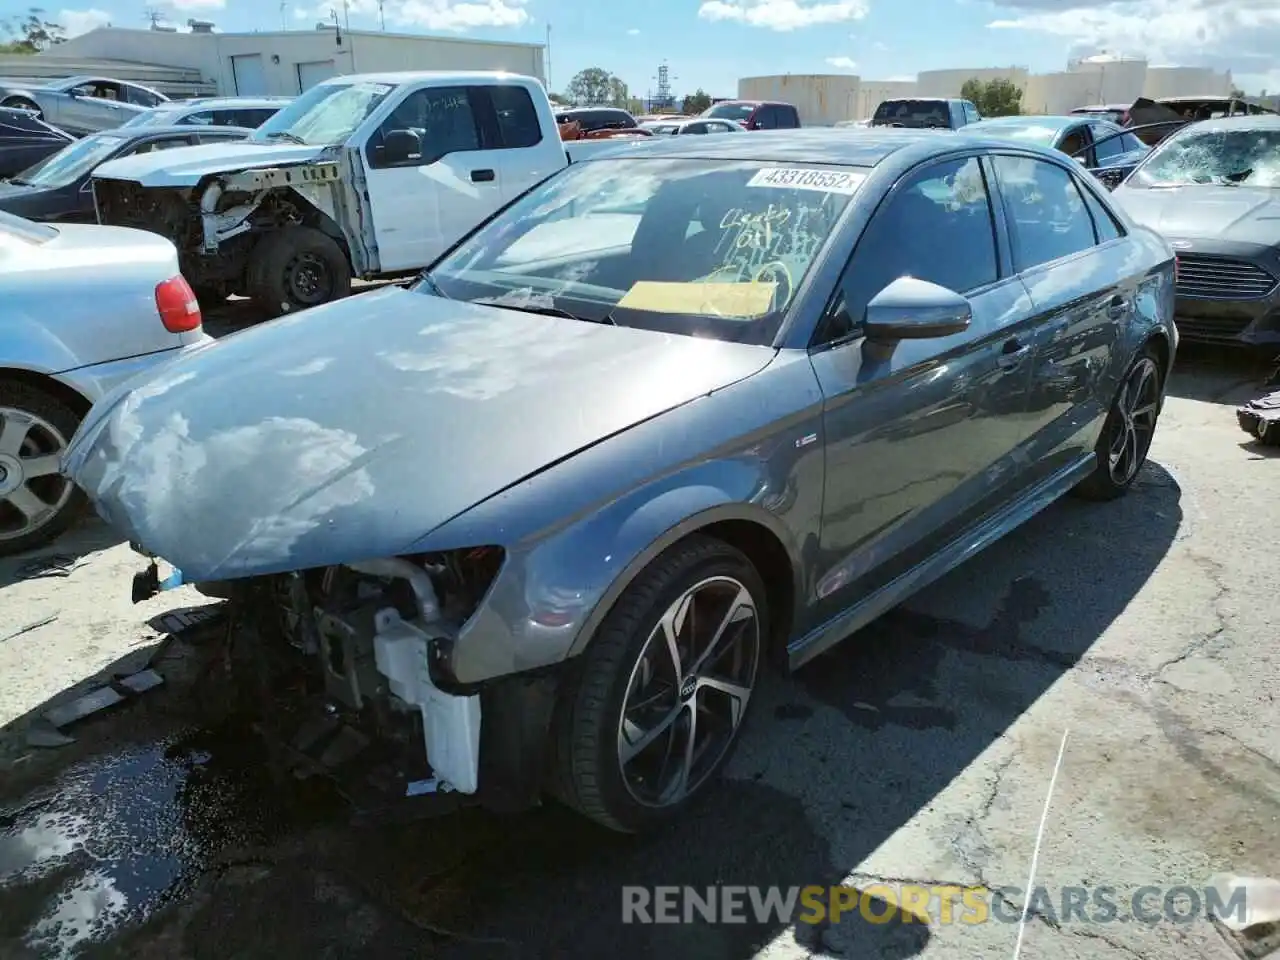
x=1035, y=852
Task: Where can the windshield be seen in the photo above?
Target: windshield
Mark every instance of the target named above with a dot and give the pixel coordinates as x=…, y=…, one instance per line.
x=730, y=111
x=1249, y=158
x=155, y=118
x=16, y=228
x=698, y=247
x=326, y=114
x=913, y=113
x=1025, y=130
x=71, y=162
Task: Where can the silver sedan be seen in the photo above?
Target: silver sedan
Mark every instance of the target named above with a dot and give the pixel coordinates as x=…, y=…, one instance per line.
x=83, y=309
x=82, y=105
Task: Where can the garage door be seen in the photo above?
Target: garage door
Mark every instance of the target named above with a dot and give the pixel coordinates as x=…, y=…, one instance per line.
x=250, y=77
x=309, y=74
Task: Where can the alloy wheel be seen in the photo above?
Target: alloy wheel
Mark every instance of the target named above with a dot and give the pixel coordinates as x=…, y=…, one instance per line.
x=688, y=691
x=32, y=490
x=1134, y=421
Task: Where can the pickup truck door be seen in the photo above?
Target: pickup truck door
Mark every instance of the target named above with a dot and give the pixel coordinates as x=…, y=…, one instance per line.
x=422, y=204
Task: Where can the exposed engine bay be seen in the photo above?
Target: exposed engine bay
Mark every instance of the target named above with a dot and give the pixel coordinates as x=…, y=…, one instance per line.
x=353, y=665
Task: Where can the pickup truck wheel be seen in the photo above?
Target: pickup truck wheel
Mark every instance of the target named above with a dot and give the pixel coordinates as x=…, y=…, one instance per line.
x=663, y=689
x=296, y=268
x=36, y=502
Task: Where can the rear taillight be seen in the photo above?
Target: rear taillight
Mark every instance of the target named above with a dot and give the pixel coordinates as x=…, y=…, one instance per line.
x=178, y=306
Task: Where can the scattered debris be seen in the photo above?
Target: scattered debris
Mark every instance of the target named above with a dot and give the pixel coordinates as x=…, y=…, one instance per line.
x=51, y=565
x=43, y=734
x=179, y=621
x=36, y=625
x=108, y=695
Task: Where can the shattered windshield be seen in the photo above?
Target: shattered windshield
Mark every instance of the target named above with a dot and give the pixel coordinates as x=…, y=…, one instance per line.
x=710, y=248
x=1249, y=158
x=326, y=114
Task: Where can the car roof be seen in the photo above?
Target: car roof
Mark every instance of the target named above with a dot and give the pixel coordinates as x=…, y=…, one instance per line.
x=853, y=147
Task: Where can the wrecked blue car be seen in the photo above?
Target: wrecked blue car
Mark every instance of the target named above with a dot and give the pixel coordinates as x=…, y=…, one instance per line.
x=536, y=523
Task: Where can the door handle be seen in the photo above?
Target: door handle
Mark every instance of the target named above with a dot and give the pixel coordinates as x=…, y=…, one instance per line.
x=1012, y=353
x=482, y=176
x=1117, y=308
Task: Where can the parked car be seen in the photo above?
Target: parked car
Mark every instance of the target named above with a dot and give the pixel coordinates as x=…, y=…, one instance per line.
x=1106, y=149
x=591, y=120
x=26, y=139
x=82, y=105
x=1211, y=189
x=755, y=114
x=294, y=225
x=246, y=112
x=59, y=187
x=1117, y=113
x=674, y=413
x=83, y=308
x=696, y=125
x=927, y=112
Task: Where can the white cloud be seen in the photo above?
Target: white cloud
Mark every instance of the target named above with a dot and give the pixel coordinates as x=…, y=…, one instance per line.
x=76, y=22
x=186, y=5
x=783, y=15
x=842, y=63
x=880, y=45
x=459, y=17
x=1240, y=35
x=633, y=32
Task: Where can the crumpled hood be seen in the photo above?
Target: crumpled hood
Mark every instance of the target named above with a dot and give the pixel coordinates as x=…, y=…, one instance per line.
x=185, y=166
x=350, y=431
x=1205, y=212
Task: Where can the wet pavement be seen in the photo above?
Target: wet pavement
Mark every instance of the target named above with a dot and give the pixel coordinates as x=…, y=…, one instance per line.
x=921, y=750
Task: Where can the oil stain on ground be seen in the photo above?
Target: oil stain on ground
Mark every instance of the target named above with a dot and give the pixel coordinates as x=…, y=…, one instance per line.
x=117, y=836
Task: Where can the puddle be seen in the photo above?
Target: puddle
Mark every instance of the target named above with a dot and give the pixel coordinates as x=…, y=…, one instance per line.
x=116, y=837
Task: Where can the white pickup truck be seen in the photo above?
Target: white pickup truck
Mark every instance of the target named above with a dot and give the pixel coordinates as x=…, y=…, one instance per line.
x=368, y=175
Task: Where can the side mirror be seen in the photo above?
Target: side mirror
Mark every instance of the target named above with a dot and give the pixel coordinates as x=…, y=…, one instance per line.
x=911, y=309
x=401, y=146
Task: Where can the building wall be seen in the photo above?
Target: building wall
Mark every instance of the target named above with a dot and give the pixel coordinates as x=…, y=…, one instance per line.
x=821, y=99
x=947, y=83
x=871, y=93
x=1185, y=82
x=1054, y=94
x=1114, y=79
x=281, y=52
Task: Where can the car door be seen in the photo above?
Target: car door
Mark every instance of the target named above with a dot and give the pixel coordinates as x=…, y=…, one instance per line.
x=923, y=441
x=513, y=136
x=103, y=108
x=422, y=204
x=1073, y=256
x=699, y=127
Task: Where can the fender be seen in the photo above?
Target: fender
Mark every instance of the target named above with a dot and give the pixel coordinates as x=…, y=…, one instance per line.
x=40, y=350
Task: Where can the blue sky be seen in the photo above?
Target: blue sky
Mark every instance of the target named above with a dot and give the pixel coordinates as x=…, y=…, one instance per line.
x=710, y=43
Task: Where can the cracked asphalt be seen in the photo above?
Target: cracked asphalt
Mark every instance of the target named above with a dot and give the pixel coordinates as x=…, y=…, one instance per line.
x=1136, y=640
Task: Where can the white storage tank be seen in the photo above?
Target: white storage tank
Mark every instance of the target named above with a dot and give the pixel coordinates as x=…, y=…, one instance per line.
x=1185, y=82
x=1114, y=79
x=822, y=99
x=948, y=83
x=872, y=93
x=1055, y=94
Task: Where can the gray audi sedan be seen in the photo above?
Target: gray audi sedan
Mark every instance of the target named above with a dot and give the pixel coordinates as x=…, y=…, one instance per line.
x=536, y=523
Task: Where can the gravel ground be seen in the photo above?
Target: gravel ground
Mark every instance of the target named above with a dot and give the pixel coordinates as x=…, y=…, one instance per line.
x=1142, y=632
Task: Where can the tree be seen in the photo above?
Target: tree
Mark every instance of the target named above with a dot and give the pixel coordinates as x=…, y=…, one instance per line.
x=695, y=103
x=1237, y=93
x=32, y=33
x=596, y=87
x=993, y=98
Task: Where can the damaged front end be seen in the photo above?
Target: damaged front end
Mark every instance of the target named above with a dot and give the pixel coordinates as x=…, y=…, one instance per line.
x=353, y=663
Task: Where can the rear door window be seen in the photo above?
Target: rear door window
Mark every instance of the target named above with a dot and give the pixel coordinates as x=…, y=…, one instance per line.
x=767, y=117
x=1047, y=216
x=914, y=113
x=1105, y=149
x=788, y=118
x=516, y=117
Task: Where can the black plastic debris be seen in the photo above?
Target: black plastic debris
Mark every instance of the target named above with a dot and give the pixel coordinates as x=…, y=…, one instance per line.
x=188, y=618
x=50, y=565
x=28, y=628
x=49, y=731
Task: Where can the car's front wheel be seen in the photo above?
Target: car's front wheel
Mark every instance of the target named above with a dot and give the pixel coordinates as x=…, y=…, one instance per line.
x=663, y=689
x=36, y=502
x=294, y=268
x=1128, y=431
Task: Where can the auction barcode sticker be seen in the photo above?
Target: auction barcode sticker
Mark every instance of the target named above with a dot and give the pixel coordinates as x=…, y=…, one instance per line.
x=793, y=178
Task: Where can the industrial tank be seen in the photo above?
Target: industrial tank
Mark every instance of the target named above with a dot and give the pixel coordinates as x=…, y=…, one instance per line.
x=1055, y=94
x=1185, y=82
x=822, y=99
x=948, y=83
x=1113, y=79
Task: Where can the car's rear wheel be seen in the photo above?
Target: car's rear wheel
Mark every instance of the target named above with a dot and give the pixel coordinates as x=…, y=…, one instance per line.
x=295, y=268
x=663, y=689
x=22, y=103
x=36, y=502
x=1128, y=431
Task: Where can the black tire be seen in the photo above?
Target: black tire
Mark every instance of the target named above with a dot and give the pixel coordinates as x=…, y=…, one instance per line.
x=586, y=770
x=285, y=262
x=1105, y=483
x=22, y=103
x=56, y=414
